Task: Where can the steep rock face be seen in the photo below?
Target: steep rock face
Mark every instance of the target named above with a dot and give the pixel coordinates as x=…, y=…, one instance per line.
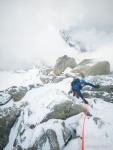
x=62, y=63
x=47, y=136
x=92, y=67
x=9, y=115
x=6, y=123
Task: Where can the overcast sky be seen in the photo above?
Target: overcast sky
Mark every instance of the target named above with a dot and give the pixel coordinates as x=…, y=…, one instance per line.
x=29, y=29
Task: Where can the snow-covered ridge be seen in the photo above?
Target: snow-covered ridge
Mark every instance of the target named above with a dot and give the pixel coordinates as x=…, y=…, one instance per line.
x=28, y=132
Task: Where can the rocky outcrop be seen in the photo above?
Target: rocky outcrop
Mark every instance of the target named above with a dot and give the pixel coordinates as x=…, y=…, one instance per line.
x=66, y=133
x=6, y=123
x=104, y=88
x=51, y=134
x=92, y=67
x=15, y=93
x=64, y=111
x=62, y=63
x=51, y=79
x=46, y=71
x=48, y=136
x=4, y=98
x=40, y=140
x=105, y=92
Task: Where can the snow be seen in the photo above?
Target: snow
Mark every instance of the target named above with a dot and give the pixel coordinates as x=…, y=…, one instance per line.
x=74, y=144
x=10, y=78
x=40, y=102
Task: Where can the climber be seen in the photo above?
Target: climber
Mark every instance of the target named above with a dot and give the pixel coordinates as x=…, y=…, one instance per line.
x=76, y=86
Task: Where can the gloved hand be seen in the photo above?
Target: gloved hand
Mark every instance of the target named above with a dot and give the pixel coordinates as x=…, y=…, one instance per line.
x=97, y=86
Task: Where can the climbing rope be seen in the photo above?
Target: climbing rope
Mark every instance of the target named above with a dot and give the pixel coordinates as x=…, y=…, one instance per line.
x=83, y=132
x=83, y=127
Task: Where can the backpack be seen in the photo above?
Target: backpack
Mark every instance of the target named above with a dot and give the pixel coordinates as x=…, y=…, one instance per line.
x=75, y=81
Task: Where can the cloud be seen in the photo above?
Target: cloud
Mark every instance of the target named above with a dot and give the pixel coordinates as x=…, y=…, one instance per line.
x=97, y=43
x=29, y=30
x=98, y=12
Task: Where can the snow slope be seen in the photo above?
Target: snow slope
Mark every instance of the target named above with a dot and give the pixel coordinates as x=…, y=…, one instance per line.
x=18, y=78
x=40, y=101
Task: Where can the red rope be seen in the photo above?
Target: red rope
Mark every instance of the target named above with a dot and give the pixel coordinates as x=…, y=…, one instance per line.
x=85, y=111
x=83, y=133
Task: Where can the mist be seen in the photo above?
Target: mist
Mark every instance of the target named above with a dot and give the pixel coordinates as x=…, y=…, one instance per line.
x=29, y=30
x=93, y=42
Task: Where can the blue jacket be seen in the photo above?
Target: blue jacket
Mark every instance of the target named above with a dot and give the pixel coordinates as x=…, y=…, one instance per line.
x=78, y=84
